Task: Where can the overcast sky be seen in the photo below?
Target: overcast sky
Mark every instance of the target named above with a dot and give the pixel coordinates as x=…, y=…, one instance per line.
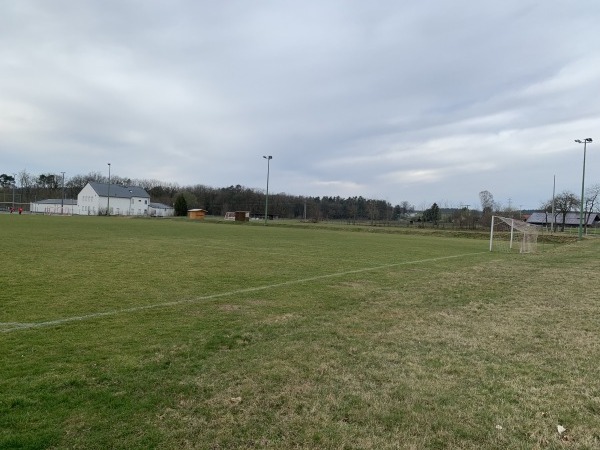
x=430, y=101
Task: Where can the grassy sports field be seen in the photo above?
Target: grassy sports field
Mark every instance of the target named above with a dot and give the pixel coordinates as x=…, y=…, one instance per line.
x=140, y=333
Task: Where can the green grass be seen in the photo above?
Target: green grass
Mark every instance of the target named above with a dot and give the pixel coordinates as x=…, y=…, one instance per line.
x=136, y=333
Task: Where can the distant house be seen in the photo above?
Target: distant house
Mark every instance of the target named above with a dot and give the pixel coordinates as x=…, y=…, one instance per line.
x=65, y=206
x=98, y=198
x=160, y=210
x=571, y=219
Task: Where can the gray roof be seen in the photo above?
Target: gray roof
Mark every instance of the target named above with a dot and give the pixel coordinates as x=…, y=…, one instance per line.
x=116, y=190
x=572, y=218
x=57, y=201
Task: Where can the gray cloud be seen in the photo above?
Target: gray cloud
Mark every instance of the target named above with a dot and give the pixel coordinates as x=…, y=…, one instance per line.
x=430, y=101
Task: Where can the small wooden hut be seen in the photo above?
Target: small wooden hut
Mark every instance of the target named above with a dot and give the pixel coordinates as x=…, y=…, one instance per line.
x=196, y=214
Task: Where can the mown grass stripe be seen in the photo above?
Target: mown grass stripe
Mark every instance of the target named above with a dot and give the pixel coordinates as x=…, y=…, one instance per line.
x=15, y=326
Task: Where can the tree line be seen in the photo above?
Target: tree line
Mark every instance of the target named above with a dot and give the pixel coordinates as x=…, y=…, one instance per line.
x=25, y=188
x=217, y=201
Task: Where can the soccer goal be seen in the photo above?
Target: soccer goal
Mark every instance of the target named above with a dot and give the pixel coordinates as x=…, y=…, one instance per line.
x=230, y=215
x=512, y=235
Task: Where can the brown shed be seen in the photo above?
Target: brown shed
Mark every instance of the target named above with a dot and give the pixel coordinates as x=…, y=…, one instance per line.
x=196, y=214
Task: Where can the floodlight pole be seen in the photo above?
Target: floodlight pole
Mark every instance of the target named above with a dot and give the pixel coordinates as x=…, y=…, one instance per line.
x=584, y=142
x=14, y=185
x=268, y=158
x=62, y=199
x=553, y=216
x=108, y=202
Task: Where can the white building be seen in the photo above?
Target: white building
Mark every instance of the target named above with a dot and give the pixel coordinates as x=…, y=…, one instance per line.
x=160, y=210
x=96, y=198
x=55, y=206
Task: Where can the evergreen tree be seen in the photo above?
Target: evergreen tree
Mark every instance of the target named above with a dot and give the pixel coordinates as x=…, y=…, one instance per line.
x=432, y=214
x=180, y=206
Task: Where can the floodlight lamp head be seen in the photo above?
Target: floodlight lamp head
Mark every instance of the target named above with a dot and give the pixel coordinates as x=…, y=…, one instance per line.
x=579, y=141
x=588, y=139
x=268, y=157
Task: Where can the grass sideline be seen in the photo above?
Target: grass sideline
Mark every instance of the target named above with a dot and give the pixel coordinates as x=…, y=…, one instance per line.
x=281, y=337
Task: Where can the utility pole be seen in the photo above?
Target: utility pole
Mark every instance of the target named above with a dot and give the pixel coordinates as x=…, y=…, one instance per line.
x=268, y=158
x=553, y=216
x=14, y=185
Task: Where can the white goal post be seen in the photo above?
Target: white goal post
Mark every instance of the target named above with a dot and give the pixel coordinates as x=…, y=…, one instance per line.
x=512, y=235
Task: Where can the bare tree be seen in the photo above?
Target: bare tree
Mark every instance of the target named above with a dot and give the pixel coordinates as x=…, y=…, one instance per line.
x=487, y=207
x=27, y=182
x=406, y=207
x=487, y=201
x=565, y=202
x=592, y=195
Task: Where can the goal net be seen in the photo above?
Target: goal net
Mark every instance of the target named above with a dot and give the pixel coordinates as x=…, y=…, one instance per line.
x=512, y=235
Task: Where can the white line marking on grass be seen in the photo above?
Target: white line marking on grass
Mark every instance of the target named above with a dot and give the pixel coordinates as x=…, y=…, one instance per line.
x=16, y=326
